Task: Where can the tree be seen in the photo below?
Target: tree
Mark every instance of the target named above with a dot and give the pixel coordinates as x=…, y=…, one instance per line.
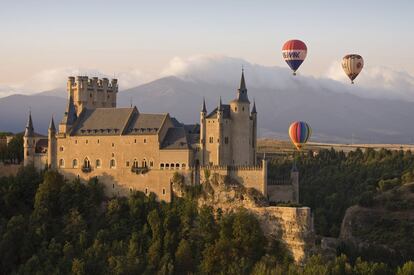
x=184, y=262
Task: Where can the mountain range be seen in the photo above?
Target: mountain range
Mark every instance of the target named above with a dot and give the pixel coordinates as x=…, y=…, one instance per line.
x=334, y=116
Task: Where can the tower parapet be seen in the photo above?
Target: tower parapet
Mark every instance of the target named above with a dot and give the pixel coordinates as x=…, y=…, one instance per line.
x=92, y=92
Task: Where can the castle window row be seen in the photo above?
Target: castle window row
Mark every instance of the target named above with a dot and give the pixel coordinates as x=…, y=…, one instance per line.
x=171, y=166
x=86, y=163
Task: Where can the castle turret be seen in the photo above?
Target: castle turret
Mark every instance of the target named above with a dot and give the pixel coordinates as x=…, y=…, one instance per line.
x=253, y=148
x=203, y=115
x=69, y=117
x=51, y=151
x=241, y=126
x=29, y=142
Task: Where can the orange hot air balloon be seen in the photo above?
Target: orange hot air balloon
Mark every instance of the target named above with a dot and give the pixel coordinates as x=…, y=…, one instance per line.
x=299, y=133
x=352, y=65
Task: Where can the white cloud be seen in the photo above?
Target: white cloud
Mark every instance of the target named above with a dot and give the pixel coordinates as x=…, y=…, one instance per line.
x=377, y=82
x=373, y=82
x=56, y=78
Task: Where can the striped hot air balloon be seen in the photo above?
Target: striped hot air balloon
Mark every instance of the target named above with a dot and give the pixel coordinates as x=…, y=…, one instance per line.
x=294, y=52
x=299, y=133
x=352, y=65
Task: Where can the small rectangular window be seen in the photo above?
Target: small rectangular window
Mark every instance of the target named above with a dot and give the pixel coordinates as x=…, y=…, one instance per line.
x=211, y=139
x=163, y=191
x=145, y=140
x=127, y=164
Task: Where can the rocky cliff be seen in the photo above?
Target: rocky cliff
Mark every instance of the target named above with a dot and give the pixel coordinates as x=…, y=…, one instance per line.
x=293, y=226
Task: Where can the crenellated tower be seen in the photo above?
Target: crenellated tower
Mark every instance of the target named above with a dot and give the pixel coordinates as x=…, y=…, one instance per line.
x=92, y=92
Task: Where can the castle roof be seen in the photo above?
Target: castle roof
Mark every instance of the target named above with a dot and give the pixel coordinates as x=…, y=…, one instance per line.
x=242, y=91
x=176, y=138
x=41, y=146
x=29, y=132
x=102, y=121
x=146, y=124
x=225, y=109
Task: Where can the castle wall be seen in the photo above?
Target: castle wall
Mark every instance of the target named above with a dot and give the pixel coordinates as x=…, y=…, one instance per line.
x=122, y=181
x=212, y=136
x=281, y=193
x=248, y=176
x=40, y=161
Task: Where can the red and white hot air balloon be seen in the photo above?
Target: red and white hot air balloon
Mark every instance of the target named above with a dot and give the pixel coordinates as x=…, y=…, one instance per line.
x=294, y=53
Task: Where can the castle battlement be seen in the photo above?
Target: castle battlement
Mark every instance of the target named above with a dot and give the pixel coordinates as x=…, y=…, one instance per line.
x=233, y=167
x=94, y=83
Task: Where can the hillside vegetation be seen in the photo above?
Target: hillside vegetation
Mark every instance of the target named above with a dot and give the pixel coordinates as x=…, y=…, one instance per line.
x=52, y=226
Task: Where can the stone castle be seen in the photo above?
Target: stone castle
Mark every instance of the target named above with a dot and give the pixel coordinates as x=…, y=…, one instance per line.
x=128, y=150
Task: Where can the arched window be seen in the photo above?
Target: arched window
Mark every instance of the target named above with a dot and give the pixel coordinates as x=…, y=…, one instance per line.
x=135, y=163
x=183, y=165
x=112, y=163
x=162, y=166
x=177, y=166
x=211, y=139
x=172, y=166
x=98, y=163
x=86, y=163
x=75, y=163
x=167, y=166
x=61, y=163
x=144, y=163
x=151, y=163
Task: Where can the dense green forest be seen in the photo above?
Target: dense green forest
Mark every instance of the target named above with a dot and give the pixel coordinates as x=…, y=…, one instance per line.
x=52, y=226
x=331, y=181
x=12, y=152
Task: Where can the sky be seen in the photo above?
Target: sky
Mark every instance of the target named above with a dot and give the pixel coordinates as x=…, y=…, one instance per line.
x=140, y=39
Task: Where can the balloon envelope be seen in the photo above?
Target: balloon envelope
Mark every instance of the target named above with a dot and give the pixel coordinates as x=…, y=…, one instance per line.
x=352, y=65
x=294, y=53
x=299, y=133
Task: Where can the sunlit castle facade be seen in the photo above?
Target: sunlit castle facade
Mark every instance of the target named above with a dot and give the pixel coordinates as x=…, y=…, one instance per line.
x=129, y=150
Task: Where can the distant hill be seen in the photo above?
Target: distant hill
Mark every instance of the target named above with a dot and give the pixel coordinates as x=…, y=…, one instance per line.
x=334, y=117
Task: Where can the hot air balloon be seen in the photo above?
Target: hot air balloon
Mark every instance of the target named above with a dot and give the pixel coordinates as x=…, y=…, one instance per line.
x=299, y=133
x=352, y=65
x=294, y=52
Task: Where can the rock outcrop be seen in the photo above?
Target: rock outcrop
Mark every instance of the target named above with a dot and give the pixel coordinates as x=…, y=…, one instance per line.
x=293, y=226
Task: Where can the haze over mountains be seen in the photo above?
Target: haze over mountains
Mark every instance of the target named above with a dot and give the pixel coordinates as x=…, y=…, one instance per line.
x=375, y=110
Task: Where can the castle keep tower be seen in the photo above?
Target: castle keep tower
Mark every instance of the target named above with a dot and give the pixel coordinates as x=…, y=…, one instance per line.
x=242, y=130
x=92, y=93
x=228, y=134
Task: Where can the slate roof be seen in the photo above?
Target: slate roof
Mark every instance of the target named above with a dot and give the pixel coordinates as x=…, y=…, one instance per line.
x=175, y=138
x=226, y=112
x=41, y=146
x=102, y=121
x=146, y=124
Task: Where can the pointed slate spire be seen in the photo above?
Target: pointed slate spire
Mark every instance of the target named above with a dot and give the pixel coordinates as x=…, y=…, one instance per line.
x=52, y=127
x=220, y=105
x=254, y=107
x=29, y=132
x=242, y=81
x=242, y=93
x=70, y=113
x=204, y=110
